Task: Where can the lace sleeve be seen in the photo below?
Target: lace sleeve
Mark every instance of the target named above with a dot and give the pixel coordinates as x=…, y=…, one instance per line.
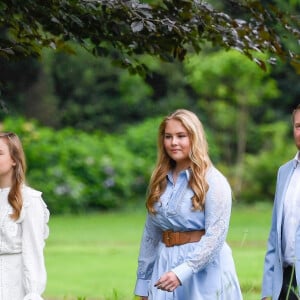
x=217, y=217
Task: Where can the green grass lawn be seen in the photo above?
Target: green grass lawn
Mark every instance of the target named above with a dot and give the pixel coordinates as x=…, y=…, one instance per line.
x=95, y=256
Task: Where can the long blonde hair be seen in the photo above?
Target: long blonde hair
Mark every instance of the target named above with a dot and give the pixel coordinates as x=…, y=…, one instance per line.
x=199, y=157
x=17, y=154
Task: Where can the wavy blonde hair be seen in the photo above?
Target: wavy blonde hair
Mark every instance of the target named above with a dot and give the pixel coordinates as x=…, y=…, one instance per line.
x=198, y=155
x=17, y=154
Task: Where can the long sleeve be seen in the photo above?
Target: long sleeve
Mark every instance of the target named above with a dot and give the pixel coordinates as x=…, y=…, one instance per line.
x=267, y=287
x=148, y=252
x=217, y=217
x=34, y=232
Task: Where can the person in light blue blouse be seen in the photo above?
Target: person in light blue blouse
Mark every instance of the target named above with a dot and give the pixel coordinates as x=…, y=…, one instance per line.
x=183, y=252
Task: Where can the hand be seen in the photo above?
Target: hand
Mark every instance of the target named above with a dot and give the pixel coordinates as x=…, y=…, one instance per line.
x=168, y=282
x=143, y=298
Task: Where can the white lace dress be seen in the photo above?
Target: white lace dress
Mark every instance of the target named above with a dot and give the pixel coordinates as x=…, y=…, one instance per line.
x=22, y=267
x=206, y=268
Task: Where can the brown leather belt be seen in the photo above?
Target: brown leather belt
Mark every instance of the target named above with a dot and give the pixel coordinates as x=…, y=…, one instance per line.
x=171, y=238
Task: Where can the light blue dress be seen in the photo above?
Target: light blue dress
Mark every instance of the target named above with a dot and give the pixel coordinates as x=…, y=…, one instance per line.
x=206, y=268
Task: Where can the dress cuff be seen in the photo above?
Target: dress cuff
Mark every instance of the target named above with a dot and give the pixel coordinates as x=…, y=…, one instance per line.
x=141, y=287
x=183, y=272
x=33, y=296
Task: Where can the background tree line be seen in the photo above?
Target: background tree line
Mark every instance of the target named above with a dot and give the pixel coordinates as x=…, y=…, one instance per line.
x=89, y=127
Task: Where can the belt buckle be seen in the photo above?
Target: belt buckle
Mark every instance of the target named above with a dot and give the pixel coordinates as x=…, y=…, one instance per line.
x=168, y=238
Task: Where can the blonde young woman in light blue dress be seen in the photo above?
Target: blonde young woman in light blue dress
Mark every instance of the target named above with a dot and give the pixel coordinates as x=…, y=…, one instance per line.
x=183, y=253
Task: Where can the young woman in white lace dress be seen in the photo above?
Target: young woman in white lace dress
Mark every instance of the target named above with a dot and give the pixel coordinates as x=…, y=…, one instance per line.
x=23, y=227
x=183, y=252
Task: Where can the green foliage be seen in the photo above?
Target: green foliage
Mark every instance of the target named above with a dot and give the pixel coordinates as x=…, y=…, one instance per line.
x=261, y=168
x=228, y=75
x=91, y=94
x=231, y=91
x=78, y=171
x=87, y=93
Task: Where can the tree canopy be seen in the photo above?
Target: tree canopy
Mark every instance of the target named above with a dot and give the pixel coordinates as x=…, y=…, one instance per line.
x=125, y=29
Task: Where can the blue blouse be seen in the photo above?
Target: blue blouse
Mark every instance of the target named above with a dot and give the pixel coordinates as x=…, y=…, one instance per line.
x=205, y=269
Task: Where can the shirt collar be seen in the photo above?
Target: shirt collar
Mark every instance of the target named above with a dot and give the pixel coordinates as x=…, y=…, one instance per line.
x=187, y=173
x=297, y=159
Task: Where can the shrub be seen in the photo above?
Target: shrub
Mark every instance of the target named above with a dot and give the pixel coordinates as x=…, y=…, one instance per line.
x=82, y=171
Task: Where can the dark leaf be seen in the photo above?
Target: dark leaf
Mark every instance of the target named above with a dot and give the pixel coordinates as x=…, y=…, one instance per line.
x=137, y=26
